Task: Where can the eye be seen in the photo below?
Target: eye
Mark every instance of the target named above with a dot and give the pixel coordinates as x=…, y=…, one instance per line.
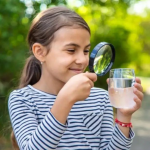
x=86, y=52
x=71, y=50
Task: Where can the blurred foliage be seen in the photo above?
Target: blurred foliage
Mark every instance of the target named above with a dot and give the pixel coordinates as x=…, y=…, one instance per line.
x=109, y=21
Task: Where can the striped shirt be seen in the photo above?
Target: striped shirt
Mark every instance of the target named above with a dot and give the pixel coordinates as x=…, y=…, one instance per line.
x=89, y=126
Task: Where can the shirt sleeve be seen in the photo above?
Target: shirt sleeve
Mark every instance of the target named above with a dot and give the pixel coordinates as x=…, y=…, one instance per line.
x=111, y=136
x=29, y=134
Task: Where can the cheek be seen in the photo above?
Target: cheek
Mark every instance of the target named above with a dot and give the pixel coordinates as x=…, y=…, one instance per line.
x=63, y=63
x=66, y=61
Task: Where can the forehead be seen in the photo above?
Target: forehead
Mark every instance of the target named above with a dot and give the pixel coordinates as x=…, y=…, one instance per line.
x=77, y=35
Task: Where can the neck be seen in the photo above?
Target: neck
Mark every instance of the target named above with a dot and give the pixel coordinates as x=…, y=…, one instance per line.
x=49, y=85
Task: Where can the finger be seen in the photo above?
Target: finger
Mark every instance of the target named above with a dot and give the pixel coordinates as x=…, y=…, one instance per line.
x=138, y=80
x=91, y=83
x=138, y=87
x=91, y=76
x=138, y=93
x=138, y=103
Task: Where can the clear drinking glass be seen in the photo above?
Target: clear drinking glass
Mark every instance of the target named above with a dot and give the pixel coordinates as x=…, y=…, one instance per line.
x=120, y=87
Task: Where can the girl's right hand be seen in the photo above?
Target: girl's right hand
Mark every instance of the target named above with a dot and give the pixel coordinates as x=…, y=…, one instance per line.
x=78, y=87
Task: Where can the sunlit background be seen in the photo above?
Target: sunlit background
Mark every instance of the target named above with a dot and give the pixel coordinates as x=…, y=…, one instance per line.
x=124, y=23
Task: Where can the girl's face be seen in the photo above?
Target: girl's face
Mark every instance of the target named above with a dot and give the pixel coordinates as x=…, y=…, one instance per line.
x=68, y=55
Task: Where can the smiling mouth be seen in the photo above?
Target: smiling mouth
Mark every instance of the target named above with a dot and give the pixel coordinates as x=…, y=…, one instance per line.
x=76, y=70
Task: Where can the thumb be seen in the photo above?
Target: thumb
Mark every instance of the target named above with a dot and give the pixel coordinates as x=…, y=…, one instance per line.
x=91, y=76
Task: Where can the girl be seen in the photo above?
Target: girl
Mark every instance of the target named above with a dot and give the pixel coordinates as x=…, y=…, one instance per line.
x=56, y=106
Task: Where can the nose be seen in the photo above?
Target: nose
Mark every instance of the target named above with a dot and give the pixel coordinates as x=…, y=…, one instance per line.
x=81, y=58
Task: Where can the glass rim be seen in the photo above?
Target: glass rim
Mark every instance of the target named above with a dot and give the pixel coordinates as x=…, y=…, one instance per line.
x=122, y=69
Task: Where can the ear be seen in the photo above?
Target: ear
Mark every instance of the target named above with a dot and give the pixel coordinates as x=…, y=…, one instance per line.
x=39, y=51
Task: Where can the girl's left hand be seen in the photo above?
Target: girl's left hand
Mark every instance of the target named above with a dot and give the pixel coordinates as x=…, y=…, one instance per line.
x=138, y=91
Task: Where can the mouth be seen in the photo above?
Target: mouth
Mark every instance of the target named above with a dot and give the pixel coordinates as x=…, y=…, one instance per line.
x=76, y=70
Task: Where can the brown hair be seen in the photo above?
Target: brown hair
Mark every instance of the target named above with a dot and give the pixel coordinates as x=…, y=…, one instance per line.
x=42, y=31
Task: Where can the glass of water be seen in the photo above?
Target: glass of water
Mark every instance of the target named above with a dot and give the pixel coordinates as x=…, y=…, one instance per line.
x=120, y=87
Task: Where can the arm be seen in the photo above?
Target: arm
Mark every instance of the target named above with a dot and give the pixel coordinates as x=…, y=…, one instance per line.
x=120, y=137
x=76, y=89
x=124, y=115
x=30, y=134
x=112, y=137
x=47, y=134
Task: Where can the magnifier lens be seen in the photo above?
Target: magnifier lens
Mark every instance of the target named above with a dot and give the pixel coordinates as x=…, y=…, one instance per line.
x=102, y=59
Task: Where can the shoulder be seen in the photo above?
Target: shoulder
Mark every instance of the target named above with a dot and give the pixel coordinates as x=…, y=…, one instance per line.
x=20, y=92
x=20, y=95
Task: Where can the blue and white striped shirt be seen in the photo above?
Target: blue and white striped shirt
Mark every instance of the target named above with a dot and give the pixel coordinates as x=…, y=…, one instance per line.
x=89, y=125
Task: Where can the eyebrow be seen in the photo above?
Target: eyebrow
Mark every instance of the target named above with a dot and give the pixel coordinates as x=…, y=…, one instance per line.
x=76, y=45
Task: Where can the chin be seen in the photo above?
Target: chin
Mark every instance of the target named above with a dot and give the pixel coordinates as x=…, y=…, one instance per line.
x=69, y=77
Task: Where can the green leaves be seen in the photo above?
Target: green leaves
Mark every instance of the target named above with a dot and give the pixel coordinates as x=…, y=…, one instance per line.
x=109, y=21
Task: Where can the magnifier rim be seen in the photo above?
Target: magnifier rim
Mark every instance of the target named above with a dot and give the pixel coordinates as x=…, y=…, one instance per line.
x=94, y=53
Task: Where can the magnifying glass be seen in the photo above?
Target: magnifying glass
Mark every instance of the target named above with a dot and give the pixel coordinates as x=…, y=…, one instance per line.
x=102, y=58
